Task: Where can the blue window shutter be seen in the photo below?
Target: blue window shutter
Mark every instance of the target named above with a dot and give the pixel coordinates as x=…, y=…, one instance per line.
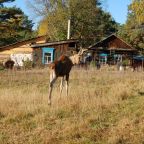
x=47, y=50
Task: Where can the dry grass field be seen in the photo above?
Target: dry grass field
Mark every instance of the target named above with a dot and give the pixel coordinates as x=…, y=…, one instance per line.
x=103, y=107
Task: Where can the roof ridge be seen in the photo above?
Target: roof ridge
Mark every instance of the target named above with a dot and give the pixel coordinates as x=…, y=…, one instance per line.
x=109, y=37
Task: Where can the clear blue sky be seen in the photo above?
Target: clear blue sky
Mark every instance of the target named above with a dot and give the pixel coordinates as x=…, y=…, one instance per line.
x=117, y=8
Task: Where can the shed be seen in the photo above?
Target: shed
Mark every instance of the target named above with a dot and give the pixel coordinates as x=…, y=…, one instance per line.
x=48, y=52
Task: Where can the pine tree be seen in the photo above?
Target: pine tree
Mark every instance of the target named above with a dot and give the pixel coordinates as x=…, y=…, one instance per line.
x=14, y=24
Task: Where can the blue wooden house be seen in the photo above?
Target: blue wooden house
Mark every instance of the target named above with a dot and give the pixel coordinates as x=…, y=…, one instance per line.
x=46, y=53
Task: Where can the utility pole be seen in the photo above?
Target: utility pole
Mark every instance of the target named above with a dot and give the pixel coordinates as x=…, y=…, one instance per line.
x=69, y=27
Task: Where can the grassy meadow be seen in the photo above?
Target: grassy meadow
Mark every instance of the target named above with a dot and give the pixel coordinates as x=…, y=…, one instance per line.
x=103, y=107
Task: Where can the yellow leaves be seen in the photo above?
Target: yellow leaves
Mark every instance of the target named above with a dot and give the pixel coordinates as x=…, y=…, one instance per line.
x=54, y=24
x=137, y=7
x=43, y=27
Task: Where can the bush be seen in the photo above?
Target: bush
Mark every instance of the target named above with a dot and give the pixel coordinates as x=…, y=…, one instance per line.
x=9, y=64
x=28, y=64
x=1, y=66
x=125, y=62
x=92, y=63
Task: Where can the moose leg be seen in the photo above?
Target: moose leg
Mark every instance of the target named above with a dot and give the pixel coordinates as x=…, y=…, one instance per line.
x=67, y=83
x=52, y=81
x=61, y=85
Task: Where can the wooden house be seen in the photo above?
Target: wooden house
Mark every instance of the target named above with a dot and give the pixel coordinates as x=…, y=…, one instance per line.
x=48, y=52
x=112, y=50
x=38, y=50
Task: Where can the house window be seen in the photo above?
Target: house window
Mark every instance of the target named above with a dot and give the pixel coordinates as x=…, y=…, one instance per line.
x=47, y=55
x=47, y=58
x=103, y=58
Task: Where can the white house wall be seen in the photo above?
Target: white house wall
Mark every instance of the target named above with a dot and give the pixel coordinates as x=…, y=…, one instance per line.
x=19, y=58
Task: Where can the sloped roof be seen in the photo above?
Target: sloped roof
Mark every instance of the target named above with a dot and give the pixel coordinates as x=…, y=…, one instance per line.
x=54, y=43
x=35, y=45
x=105, y=44
x=21, y=42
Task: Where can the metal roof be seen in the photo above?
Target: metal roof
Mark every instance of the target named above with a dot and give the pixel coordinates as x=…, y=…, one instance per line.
x=54, y=43
x=40, y=44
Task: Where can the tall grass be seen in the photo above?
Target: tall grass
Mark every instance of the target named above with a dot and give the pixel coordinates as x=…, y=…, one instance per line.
x=102, y=107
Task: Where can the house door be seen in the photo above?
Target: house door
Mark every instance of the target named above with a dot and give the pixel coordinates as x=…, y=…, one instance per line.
x=47, y=55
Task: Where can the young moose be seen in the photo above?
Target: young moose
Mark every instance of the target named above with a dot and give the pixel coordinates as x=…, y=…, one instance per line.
x=61, y=68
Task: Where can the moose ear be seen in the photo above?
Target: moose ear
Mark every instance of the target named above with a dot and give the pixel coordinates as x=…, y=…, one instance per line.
x=82, y=50
x=73, y=52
